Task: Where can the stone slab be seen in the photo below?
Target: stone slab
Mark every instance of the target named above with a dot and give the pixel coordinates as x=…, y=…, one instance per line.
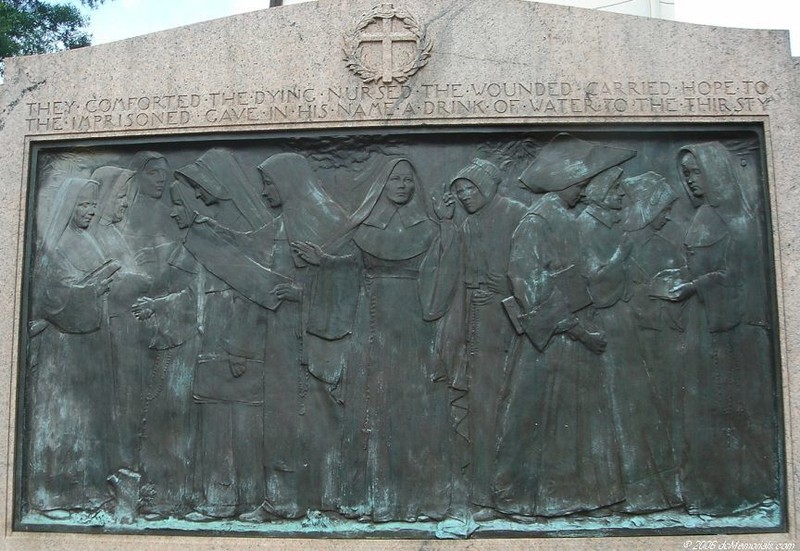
x=508, y=63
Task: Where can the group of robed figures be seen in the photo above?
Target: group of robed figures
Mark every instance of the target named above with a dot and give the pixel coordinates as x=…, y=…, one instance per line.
x=258, y=357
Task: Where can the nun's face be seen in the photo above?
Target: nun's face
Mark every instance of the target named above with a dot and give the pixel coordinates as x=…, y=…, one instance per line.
x=153, y=178
x=204, y=195
x=120, y=204
x=85, y=207
x=572, y=195
x=401, y=184
x=692, y=175
x=613, y=199
x=469, y=195
x=270, y=193
x=661, y=219
x=179, y=212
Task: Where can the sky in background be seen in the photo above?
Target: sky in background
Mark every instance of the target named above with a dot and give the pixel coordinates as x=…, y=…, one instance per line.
x=119, y=19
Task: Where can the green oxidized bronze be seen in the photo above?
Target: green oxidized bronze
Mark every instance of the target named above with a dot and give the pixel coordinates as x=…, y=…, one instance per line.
x=440, y=334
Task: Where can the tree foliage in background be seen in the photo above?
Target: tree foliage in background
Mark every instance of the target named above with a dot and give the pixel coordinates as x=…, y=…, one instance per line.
x=37, y=26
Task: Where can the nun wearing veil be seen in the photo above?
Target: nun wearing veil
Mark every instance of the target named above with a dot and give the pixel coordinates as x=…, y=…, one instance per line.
x=730, y=458
x=658, y=324
x=557, y=448
x=69, y=408
x=127, y=346
x=228, y=371
x=647, y=462
x=147, y=221
x=170, y=318
x=301, y=368
x=396, y=431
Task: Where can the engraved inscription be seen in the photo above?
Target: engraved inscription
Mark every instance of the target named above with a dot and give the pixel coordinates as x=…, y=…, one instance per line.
x=418, y=101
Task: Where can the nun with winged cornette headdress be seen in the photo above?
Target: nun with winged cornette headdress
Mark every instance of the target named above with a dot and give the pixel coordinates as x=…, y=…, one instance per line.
x=407, y=270
x=71, y=392
x=556, y=382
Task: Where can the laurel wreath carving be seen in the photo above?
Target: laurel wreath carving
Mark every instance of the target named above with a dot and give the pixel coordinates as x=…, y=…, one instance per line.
x=353, y=53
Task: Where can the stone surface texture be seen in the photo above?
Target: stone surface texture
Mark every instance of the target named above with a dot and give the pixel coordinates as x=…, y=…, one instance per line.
x=639, y=70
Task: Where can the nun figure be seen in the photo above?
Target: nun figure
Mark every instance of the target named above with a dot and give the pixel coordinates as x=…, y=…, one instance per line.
x=648, y=464
x=229, y=368
x=300, y=376
x=72, y=392
x=490, y=222
x=655, y=260
x=731, y=455
x=558, y=452
x=148, y=224
x=170, y=315
x=127, y=346
x=397, y=433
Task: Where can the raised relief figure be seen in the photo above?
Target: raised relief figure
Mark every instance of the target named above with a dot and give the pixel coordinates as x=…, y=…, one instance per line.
x=147, y=223
x=229, y=369
x=171, y=315
x=298, y=396
x=72, y=434
x=488, y=333
x=648, y=463
x=396, y=441
x=557, y=452
x=127, y=347
x=727, y=397
x=57, y=169
x=655, y=261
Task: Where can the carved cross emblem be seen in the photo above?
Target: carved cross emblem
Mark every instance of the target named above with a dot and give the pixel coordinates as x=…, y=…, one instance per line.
x=388, y=27
x=386, y=37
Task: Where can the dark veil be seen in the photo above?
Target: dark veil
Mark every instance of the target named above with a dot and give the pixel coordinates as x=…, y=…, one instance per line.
x=377, y=213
